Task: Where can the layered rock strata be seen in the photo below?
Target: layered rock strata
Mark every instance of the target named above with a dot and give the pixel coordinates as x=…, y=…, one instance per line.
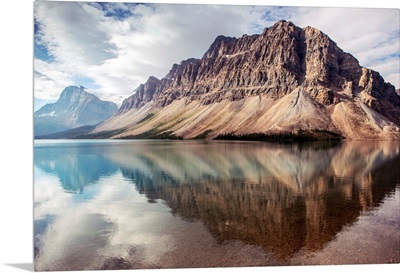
x=258, y=72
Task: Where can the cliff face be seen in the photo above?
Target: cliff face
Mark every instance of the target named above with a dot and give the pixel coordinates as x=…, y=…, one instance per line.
x=261, y=71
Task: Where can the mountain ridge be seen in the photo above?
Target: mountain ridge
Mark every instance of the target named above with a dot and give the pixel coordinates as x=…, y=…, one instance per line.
x=74, y=108
x=263, y=69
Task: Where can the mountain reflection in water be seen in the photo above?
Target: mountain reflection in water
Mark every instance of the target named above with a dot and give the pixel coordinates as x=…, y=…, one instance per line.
x=282, y=198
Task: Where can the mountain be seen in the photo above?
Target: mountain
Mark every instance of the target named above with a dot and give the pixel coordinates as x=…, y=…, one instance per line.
x=73, y=109
x=285, y=79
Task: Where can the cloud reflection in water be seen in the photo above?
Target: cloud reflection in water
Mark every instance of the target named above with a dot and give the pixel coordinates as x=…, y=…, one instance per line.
x=140, y=201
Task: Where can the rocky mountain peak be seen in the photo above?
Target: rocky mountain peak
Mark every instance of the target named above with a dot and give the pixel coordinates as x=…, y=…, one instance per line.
x=178, y=69
x=75, y=107
x=282, y=26
x=314, y=32
x=283, y=59
x=71, y=97
x=221, y=45
x=72, y=89
x=141, y=95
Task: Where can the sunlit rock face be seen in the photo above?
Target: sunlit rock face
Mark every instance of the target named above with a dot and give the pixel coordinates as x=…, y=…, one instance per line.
x=283, y=79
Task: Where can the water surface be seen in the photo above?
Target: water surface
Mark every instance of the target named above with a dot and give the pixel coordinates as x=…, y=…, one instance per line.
x=170, y=204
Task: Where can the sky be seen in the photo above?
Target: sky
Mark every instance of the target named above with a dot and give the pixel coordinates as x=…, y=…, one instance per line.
x=112, y=47
x=16, y=142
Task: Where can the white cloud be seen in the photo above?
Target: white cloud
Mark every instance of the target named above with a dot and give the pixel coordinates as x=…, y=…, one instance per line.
x=50, y=78
x=113, y=227
x=118, y=54
x=72, y=32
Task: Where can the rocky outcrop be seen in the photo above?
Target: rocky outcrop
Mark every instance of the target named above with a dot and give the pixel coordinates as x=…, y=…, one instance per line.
x=272, y=65
x=143, y=94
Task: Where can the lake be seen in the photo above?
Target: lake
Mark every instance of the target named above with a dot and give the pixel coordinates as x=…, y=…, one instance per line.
x=126, y=204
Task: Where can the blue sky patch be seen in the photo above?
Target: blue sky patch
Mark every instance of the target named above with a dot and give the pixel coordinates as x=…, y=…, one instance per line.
x=113, y=47
x=86, y=82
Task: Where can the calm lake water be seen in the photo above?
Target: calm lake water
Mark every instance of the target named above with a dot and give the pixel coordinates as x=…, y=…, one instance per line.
x=172, y=204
